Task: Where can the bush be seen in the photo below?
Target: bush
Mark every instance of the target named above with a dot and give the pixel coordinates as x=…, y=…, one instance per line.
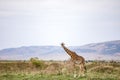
x=38, y=63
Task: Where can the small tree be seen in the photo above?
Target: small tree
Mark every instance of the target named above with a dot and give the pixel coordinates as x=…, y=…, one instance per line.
x=38, y=63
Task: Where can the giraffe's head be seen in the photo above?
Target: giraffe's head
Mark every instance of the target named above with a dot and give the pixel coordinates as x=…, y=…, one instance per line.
x=62, y=44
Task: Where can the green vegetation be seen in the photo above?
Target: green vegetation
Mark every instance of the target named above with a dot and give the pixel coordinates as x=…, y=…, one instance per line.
x=36, y=69
x=38, y=63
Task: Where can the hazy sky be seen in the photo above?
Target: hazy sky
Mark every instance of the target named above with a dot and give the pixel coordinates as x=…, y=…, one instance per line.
x=50, y=22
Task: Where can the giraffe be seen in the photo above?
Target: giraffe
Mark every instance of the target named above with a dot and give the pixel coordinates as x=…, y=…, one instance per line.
x=76, y=60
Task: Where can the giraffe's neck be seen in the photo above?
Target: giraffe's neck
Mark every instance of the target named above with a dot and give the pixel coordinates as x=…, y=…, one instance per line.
x=69, y=52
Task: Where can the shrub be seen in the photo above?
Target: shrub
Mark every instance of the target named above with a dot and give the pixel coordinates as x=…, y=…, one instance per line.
x=38, y=63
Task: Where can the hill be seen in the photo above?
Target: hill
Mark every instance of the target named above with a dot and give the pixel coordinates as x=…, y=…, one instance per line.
x=105, y=51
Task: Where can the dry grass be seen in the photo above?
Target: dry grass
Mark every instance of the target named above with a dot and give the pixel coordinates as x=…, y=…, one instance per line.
x=58, y=70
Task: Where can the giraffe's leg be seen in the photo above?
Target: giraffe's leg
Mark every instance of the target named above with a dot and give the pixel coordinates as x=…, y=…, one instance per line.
x=83, y=69
x=75, y=74
x=74, y=70
x=80, y=70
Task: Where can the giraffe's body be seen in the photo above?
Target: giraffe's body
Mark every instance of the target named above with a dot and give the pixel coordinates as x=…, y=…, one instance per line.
x=76, y=59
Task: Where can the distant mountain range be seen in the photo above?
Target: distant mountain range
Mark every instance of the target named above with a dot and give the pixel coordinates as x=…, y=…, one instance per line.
x=95, y=51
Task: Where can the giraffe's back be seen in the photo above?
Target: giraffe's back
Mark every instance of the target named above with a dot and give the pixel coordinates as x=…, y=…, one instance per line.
x=79, y=60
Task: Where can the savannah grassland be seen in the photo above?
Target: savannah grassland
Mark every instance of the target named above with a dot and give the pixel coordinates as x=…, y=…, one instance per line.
x=57, y=70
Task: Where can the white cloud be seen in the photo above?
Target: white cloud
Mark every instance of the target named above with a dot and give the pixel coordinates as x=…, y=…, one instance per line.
x=74, y=21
